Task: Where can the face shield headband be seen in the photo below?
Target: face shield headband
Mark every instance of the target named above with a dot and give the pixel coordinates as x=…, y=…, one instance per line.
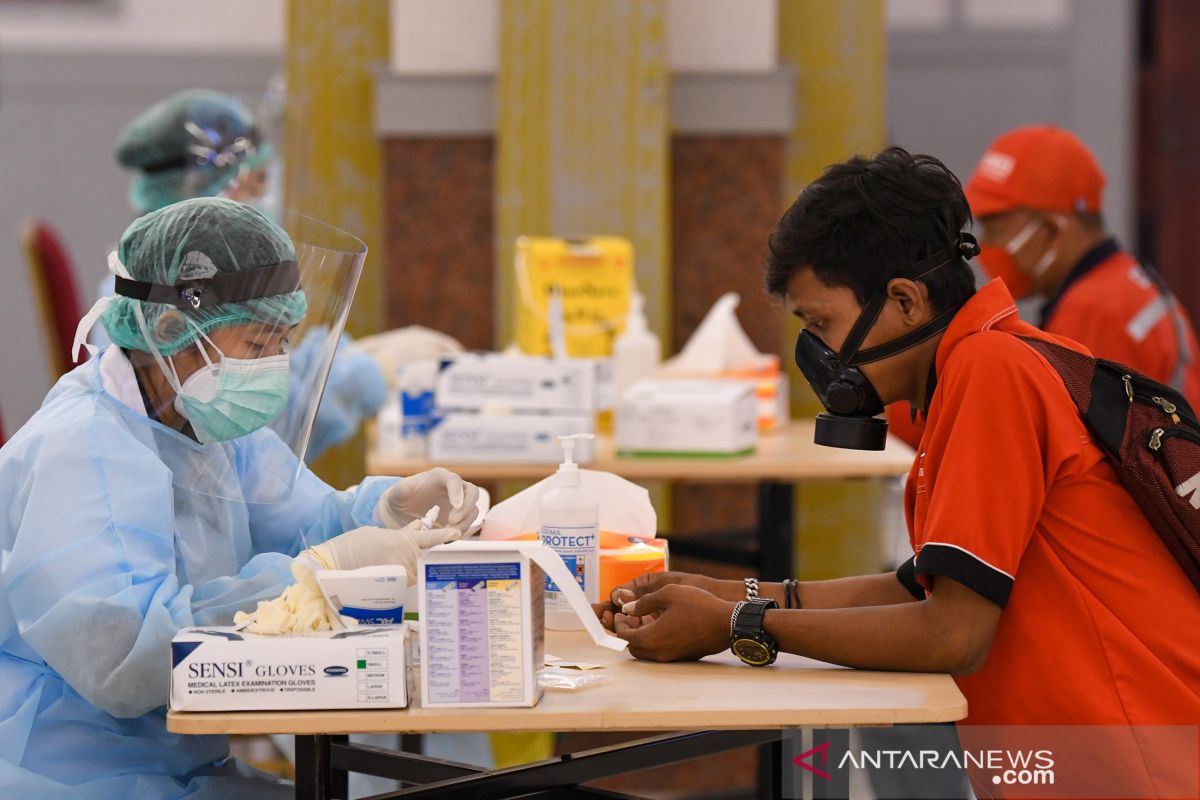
x=226, y=287
x=848, y=396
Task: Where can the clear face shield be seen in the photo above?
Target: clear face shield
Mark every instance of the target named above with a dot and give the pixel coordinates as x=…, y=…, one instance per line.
x=215, y=348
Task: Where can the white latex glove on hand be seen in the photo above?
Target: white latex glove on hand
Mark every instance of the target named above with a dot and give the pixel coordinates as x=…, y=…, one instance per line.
x=410, y=498
x=412, y=343
x=369, y=547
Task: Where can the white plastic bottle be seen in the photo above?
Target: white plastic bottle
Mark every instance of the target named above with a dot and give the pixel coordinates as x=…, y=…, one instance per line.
x=637, y=351
x=569, y=523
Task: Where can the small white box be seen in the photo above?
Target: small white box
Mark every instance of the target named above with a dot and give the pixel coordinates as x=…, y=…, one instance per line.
x=479, y=381
x=664, y=416
x=462, y=438
x=223, y=669
x=482, y=624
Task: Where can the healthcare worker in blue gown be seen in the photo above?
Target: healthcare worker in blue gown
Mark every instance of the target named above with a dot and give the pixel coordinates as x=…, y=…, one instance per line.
x=202, y=143
x=161, y=485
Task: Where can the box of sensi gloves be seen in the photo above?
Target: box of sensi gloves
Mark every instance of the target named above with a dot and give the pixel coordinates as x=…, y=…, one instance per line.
x=224, y=669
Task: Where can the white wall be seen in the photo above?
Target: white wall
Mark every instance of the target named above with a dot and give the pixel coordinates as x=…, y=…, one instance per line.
x=126, y=26
x=461, y=37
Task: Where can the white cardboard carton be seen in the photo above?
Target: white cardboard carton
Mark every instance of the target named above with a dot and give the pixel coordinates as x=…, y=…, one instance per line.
x=507, y=438
x=482, y=624
x=677, y=416
x=479, y=381
x=223, y=669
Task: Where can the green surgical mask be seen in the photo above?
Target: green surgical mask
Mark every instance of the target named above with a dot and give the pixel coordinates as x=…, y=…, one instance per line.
x=234, y=397
x=229, y=398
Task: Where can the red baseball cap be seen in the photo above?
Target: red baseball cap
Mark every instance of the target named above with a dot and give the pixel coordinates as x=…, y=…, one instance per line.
x=1037, y=166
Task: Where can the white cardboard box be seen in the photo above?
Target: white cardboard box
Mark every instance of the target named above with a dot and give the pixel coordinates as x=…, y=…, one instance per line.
x=680, y=416
x=480, y=381
x=222, y=669
x=464, y=438
x=482, y=625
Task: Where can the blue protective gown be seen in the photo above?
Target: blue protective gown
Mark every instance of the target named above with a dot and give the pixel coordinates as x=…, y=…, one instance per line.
x=103, y=557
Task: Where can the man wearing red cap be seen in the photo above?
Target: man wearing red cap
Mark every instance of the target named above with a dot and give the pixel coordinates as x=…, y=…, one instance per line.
x=1035, y=196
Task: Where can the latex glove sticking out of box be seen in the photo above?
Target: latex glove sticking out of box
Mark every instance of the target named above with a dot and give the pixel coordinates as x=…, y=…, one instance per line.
x=307, y=605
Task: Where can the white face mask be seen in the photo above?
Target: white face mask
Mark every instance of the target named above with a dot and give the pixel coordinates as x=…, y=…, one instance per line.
x=1022, y=237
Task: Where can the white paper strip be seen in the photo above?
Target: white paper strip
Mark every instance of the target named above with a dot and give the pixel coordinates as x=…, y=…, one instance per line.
x=552, y=564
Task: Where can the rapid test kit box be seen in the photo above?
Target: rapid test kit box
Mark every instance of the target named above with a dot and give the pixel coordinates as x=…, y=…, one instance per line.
x=482, y=624
x=224, y=669
x=506, y=438
x=478, y=381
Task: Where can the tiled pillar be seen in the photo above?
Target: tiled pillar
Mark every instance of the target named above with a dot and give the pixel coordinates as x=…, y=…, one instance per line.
x=581, y=135
x=838, y=53
x=330, y=152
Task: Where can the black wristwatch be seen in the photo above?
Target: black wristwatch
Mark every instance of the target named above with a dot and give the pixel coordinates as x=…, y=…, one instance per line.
x=747, y=639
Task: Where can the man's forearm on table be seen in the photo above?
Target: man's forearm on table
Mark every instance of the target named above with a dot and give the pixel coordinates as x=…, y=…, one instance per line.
x=905, y=636
x=862, y=590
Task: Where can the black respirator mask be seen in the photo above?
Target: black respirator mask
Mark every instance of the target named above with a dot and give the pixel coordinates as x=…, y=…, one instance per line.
x=850, y=400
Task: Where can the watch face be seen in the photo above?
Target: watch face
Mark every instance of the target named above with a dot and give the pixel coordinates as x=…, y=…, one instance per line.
x=753, y=653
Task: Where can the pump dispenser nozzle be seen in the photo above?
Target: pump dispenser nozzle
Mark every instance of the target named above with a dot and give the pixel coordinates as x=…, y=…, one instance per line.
x=568, y=470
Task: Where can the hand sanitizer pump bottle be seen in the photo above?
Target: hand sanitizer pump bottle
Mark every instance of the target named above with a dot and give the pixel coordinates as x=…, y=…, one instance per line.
x=569, y=523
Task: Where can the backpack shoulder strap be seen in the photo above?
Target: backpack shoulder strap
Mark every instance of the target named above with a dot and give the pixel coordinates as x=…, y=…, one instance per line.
x=1076, y=369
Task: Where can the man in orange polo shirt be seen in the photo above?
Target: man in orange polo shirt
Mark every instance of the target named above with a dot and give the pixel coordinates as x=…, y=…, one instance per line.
x=1036, y=199
x=1036, y=579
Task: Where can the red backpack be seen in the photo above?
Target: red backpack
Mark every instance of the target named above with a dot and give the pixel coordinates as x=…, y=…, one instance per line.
x=1150, y=435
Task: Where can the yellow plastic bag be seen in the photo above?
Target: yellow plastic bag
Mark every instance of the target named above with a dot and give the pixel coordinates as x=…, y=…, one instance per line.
x=595, y=276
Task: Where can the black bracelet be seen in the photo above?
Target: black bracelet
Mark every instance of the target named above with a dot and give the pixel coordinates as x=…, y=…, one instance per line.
x=791, y=593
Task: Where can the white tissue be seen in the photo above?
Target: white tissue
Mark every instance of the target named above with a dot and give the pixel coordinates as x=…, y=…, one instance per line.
x=719, y=344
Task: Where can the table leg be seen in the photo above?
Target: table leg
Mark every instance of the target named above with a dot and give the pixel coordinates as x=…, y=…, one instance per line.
x=770, y=770
x=776, y=534
x=316, y=778
x=838, y=784
x=776, y=530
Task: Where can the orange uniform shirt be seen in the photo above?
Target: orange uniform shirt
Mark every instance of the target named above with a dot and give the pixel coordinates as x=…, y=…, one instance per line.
x=1109, y=305
x=1112, y=308
x=1009, y=497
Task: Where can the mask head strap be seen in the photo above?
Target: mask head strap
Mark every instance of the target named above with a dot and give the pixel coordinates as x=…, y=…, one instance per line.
x=965, y=247
x=226, y=287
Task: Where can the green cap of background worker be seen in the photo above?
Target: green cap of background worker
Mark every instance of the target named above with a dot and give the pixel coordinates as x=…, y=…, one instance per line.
x=196, y=143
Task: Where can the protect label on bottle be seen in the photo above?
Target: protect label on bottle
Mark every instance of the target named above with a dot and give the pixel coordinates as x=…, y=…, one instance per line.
x=578, y=548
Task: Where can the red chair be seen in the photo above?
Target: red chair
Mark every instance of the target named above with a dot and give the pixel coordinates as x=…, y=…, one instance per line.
x=53, y=280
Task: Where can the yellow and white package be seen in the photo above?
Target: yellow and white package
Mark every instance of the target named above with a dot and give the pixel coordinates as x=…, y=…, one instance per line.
x=595, y=278
x=227, y=669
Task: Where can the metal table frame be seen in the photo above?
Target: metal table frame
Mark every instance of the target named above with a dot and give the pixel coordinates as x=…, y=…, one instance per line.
x=323, y=764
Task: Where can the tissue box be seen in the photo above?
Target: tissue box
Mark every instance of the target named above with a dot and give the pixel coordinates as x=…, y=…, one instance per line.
x=475, y=381
x=771, y=390
x=463, y=438
x=681, y=417
x=482, y=625
x=222, y=669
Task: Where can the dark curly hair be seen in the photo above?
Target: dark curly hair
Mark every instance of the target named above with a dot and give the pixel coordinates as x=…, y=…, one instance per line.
x=868, y=220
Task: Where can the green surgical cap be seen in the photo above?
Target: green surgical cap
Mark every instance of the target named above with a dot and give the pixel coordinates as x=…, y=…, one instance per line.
x=198, y=239
x=192, y=144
